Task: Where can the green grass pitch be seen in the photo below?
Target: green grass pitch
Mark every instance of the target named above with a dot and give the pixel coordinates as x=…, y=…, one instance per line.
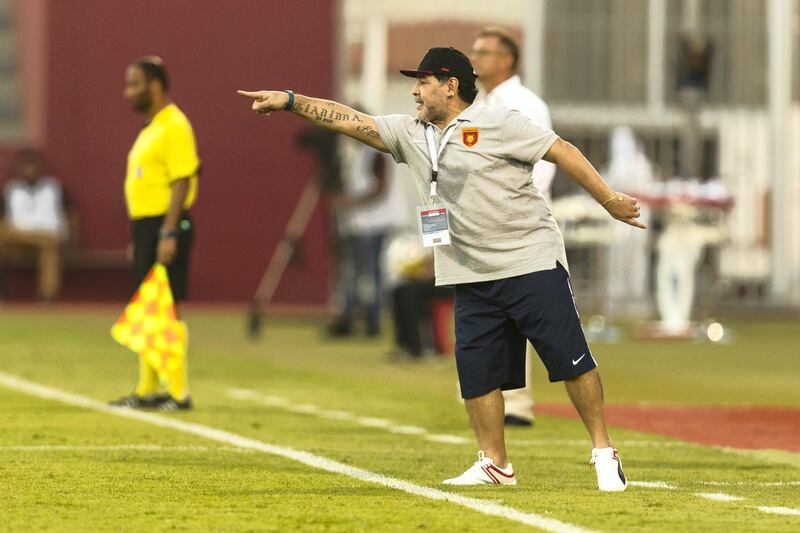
x=68, y=468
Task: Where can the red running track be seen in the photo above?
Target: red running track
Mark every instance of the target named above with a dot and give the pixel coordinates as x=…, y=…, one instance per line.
x=755, y=428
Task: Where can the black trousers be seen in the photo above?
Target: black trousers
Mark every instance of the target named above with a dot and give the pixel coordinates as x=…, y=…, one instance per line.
x=411, y=313
x=145, y=233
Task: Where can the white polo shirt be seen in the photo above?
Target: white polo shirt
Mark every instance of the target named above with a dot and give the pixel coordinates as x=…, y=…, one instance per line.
x=36, y=207
x=513, y=95
x=384, y=213
x=500, y=224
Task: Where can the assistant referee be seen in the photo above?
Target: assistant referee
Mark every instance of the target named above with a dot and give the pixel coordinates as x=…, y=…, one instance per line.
x=160, y=188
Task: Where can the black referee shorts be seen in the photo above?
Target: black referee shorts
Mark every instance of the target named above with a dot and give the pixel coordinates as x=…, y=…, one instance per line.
x=494, y=319
x=145, y=233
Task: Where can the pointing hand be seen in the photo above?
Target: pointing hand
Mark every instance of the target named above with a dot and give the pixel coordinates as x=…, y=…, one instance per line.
x=624, y=208
x=265, y=102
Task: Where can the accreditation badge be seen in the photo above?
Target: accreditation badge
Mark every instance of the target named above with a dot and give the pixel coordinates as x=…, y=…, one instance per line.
x=434, y=227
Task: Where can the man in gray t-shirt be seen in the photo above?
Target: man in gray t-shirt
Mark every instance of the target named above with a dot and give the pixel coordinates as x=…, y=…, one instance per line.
x=500, y=226
x=501, y=250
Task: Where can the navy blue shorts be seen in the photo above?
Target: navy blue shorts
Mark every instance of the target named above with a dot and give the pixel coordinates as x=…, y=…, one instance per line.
x=494, y=319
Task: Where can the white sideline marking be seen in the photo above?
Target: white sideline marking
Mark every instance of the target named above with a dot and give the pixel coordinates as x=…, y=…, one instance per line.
x=315, y=461
x=365, y=421
x=754, y=483
x=337, y=415
x=306, y=408
x=374, y=422
x=779, y=510
x=119, y=447
x=447, y=439
x=408, y=430
x=652, y=484
x=719, y=496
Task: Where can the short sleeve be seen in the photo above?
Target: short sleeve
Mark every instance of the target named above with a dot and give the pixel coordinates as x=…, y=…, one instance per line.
x=394, y=132
x=181, y=156
x=523, y=139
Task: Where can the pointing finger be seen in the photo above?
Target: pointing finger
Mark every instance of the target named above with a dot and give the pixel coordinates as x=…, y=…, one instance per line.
x=635, y=223
x=249, y=94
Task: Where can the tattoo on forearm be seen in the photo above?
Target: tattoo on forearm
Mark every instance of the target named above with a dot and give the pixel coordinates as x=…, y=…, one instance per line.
x=338, y=117
x=327, y=115
x=369, y=131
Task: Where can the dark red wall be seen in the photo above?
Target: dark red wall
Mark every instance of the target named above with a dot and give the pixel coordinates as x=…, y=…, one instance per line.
x=253, y=173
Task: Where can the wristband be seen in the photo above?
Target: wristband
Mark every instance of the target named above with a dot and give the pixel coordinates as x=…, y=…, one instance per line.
x=168, y=233
x=290, y=103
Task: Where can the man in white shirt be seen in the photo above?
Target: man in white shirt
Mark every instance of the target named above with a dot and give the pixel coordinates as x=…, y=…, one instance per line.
x=495, y=57
x=34, y=218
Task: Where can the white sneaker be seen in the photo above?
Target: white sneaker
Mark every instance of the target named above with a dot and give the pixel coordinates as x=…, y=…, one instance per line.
x=608, y=465
x=484, y=472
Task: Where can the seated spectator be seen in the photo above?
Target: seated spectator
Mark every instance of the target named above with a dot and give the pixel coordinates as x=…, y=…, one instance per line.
x=34, y=219
x=413, y=294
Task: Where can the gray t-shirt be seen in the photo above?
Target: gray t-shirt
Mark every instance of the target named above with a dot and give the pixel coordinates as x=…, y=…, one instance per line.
x=500, y=225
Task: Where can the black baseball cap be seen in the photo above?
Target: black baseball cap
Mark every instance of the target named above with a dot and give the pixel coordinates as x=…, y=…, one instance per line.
x=447, y=61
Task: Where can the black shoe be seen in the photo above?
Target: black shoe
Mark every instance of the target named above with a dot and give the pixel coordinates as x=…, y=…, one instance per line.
x=139, y=402
x=171, y=404
x=401, y=355
x=339, y=328
x=511, y=420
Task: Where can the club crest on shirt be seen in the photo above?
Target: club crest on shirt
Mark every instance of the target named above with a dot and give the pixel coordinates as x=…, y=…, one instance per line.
x=469, y=136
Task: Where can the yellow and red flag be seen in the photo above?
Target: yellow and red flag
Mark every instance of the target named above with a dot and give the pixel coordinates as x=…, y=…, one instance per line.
x=148, y=325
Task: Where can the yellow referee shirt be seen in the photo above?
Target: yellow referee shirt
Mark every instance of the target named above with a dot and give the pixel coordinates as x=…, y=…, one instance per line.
x=164, y=151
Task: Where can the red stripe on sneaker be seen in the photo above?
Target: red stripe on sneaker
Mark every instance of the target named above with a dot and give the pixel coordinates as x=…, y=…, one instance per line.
x=509, y=476
x=486, y=470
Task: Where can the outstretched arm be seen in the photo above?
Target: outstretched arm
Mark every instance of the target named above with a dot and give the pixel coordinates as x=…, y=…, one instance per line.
x=619, y=205
x=324, y=113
